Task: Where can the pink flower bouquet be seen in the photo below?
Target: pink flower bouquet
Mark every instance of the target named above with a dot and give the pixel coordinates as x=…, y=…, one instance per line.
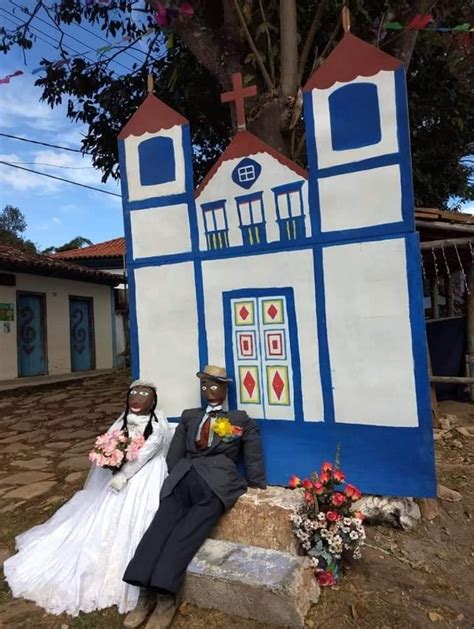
x=112, y=449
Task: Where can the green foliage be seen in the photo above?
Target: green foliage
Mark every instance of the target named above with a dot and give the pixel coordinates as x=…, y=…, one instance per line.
x=76, y=243
x=12, y=226
x=188, y=76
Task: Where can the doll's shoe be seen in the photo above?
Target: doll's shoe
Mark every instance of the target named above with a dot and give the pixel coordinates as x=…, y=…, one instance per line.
x=146, y=604
x=164, y=613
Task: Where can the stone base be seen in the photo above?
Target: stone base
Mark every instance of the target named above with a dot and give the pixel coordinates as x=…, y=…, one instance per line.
x=269, y=586
x=261, y=518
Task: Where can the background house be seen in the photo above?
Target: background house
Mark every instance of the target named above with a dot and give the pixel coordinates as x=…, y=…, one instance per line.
x=55, y=317
x=108, y=256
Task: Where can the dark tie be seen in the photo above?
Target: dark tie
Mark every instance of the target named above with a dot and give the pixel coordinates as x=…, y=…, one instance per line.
x=205, y=429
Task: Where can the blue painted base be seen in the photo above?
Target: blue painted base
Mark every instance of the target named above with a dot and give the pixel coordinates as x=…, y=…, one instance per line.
x=378, y=460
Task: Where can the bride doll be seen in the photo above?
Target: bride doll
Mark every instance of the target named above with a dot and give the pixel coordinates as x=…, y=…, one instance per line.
x=75, y=561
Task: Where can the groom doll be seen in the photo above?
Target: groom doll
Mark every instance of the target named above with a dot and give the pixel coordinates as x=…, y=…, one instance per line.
x=203, y=482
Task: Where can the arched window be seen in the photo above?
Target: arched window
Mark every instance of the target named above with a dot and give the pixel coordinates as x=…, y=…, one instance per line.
x=156, y=160
x=355, y=116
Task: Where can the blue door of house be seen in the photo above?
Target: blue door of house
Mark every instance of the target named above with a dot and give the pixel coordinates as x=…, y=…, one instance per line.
x=82, y=334
x=31, y=334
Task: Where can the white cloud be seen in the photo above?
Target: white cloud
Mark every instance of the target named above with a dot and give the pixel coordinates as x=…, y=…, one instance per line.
x=56, y=220
x=22, y=180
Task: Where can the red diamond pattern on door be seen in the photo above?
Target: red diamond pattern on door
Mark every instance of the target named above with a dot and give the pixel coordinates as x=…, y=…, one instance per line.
x=262, y=357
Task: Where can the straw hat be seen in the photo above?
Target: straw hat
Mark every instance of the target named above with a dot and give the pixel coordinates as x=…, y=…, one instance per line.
x=215, y=373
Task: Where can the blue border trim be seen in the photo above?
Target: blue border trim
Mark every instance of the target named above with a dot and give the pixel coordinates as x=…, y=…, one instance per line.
x=389, y=159
x=255, y=293
x=132, y=301
x=403, y=132
x=313, y=188
x=322, y=335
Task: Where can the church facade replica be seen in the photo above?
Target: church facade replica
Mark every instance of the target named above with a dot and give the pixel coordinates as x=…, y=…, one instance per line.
x=307, y=286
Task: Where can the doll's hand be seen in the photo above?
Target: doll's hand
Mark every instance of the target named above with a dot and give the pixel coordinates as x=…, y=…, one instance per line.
x=117, y=483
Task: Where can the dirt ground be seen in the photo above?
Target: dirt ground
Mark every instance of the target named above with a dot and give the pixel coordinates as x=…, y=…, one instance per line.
x=421, y=578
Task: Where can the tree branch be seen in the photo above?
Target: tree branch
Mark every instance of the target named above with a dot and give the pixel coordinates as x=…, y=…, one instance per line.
x=216, y=51
x=253, y=47
x=288, y=48
x=310, y=39
x=269, y=43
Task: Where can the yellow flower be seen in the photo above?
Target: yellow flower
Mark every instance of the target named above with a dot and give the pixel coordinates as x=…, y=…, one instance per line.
x=222, y=427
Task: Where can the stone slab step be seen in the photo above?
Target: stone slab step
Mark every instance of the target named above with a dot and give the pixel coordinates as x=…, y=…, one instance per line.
x=270, y=586
x=261, y=518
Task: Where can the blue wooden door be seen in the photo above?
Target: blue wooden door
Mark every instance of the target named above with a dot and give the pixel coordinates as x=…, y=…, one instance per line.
x=31, y=335
x=82, y=334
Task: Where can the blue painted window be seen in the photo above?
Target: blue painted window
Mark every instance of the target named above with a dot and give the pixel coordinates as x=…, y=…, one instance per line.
x=246, y=173
x=215, y=225
x=252, y=219
x=156, y=161
x=290, y=211
x=355, y=116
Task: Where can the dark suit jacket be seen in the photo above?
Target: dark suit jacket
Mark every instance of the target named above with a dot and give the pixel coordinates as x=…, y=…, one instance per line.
x=217, y=464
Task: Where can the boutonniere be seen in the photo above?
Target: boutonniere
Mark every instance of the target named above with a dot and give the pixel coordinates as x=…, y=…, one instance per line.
x=227, y=431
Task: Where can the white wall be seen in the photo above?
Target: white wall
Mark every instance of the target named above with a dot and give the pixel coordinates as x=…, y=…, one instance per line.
x=221, y=186
x=168, y=334
x=57, y=322
x=274, y=270
x=160, y=231
x=8, y=353
x=368, y=324
x=361, y=199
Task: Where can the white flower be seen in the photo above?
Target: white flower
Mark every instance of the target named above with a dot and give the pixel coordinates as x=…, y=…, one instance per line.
x=321, y=516
x=354, y=535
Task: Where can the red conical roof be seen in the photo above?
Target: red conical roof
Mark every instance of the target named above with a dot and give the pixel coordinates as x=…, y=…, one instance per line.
x=351, y=58
x=152, y=116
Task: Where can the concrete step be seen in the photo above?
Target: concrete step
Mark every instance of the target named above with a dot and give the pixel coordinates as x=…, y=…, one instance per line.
x=270, y=586
x=261, y=518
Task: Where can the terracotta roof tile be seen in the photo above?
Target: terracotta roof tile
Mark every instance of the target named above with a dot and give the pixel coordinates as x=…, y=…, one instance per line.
x=352, y=57
x=153, y=115
x=243, y=145
x=109, y=249
x=15, y=259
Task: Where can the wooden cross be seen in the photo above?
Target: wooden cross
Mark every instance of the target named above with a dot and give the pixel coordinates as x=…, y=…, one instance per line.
x=239, y=94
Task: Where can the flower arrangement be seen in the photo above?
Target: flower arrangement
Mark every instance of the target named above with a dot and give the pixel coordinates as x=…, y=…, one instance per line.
x=112, y=449
x=327, y=525
x=227, y=431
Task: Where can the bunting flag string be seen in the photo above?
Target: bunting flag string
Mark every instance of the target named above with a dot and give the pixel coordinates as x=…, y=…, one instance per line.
x=6, y=79
x=57, y=64
x=422, y=22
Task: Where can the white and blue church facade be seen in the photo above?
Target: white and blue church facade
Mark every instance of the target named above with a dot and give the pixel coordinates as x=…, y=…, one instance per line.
x=305, y=285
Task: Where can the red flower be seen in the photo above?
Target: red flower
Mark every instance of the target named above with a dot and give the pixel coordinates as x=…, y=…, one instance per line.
x=338, y=499
x=318, y=488
x=359, y=515
x=294, y=482
x=307, y=484
x=352, y=492
x=325, y=577
x=326, y=467
x=339, y=476
x=308, y=496
x=333, y=516
x=324, y=478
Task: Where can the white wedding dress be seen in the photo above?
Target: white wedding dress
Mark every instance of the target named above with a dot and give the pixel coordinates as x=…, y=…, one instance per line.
x=76, y=560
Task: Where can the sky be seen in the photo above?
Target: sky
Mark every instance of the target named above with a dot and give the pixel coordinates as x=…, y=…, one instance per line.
x=55, y=211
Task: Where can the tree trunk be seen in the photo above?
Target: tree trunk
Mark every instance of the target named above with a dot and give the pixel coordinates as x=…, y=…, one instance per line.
x=267, y=126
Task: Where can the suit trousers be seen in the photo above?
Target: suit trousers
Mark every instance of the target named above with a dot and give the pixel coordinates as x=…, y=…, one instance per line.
x=182, y=523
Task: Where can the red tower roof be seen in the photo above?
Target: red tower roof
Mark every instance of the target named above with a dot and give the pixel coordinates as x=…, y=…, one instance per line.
x=152, y=116
x=351, y=58
x=245, y=144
